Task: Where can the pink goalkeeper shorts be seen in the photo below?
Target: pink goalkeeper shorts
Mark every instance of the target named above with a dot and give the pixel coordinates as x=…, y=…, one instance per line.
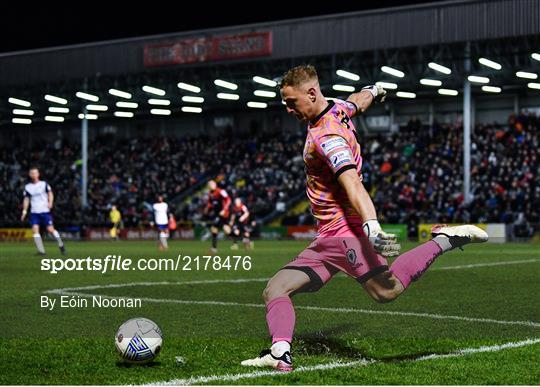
x=342, y=248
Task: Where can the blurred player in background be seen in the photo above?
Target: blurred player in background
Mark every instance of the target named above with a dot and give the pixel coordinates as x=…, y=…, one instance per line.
x=349, y=237
x=172, y=225
x=116, y=220
x=217, y=211
x=38, y=194
x=161, y=217
x=240, y=224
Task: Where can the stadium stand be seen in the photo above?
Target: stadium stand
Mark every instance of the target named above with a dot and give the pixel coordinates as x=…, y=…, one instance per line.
x=414, y=175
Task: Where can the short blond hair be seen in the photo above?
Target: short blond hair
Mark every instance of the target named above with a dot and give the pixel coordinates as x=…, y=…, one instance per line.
x=299, y=75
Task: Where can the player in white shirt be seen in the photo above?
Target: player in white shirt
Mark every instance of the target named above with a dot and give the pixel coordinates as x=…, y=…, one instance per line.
x=39, y=196
x=161, y=217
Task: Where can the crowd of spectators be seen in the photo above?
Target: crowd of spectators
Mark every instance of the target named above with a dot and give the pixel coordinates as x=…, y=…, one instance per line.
x=414, y=175
x=263, y=169
x=267, y=172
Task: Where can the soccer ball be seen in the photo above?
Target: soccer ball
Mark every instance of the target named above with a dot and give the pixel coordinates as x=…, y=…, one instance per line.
x=138, y=340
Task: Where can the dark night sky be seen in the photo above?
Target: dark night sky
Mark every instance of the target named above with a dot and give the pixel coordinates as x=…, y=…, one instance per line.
x=29, y=26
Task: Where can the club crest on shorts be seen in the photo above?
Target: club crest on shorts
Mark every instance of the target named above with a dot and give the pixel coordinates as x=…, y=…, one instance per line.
x=351, y=256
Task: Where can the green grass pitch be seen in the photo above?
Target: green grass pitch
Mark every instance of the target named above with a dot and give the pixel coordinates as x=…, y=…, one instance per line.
x=466, y=307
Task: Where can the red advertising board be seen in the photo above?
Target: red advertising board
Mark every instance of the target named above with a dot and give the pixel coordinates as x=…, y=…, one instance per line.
x=206, y=49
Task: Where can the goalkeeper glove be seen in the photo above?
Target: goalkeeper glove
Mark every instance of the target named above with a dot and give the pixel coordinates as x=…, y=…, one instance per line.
x=378, y=93
x=383, y=243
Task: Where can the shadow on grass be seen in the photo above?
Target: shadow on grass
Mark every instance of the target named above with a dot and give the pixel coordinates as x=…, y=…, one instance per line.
x=124, y=364
x=325, y=343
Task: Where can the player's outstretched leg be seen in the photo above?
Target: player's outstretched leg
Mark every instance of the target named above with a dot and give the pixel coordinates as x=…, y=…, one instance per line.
x=56, y=235
x=410, y=266
x=37, y=240
x=281, y=319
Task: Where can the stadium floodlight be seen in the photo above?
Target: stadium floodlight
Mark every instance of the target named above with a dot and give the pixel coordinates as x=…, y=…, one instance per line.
x=124, y=114
x=264, y=81
x=190, y=98
x=54, y=118
x=191, y=109
x=23, y=121
x=477, y=79
x=392, y=71
x=128, y=105
x=430, y=82
x=348, y=75
x=526, y=75
x=161, y=112
x=20, y=102
x=349, y=89
x=489, y=63
x=225, y=84
x=451, y=92
x=491, y=89
x=160, y=102
x=23, y=112
x=88, y=116
x=387, y=85
x=535, y=56
x=405, y=94
x=232, y=97
x=55, y=99
x=257, y=105
x=440, y=68
x=188, y=87
x=97, y=108
x=153, y=90
x=54, y=109
x=120, y=93
x=86, y=96
x=265, y=93
x=533, y=85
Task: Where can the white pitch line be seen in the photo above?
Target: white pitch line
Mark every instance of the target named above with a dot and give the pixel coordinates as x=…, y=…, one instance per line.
x=306, y=307
x=245, y=280
x=472, y=265
x=362, y=362
x=161, y=283
x=492, y=348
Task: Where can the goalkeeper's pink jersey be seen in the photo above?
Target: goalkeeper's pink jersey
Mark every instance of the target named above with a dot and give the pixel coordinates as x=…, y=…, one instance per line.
x=331, y=148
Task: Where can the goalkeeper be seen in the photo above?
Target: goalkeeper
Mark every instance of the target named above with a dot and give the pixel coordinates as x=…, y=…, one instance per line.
x=349, y=237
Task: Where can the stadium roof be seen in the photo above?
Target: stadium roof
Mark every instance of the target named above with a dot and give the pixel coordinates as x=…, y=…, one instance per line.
x=500, y=37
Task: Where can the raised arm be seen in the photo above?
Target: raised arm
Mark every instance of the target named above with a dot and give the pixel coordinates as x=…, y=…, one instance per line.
x=365, y=97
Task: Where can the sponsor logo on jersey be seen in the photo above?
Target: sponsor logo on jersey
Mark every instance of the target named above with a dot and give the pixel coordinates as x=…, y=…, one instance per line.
x=340, y=158
x=332, y=144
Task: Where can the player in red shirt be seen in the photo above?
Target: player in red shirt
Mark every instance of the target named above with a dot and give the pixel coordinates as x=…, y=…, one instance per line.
x=240, y=224
x=349, y=237
x=217, y=211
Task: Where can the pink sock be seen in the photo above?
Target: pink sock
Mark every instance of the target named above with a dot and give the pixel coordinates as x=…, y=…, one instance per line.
x=411, y=265
x=281, y=319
